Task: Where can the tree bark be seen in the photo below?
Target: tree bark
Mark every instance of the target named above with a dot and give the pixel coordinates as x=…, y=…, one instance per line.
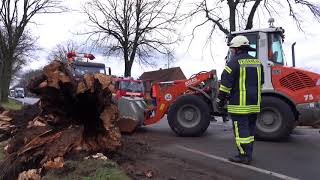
x=127, y=70
x=127, y=64
x=232, y=16
x=251, y=15
x=5, y=80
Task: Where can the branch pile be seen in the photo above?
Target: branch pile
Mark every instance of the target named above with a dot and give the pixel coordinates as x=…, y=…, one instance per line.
x=75, y=114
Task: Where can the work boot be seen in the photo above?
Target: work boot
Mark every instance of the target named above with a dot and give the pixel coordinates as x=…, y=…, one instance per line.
x=241, y=159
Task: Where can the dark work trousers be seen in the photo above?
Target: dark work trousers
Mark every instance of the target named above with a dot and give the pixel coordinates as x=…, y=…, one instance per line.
x=243, y=128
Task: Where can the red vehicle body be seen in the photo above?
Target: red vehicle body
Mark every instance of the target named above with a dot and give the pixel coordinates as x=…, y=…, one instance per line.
x=128, y=87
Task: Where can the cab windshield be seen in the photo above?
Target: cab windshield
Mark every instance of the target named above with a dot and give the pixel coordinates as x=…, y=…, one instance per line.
x=131, y=86
x=19, y=91
x=81, y=70
x=275, y=51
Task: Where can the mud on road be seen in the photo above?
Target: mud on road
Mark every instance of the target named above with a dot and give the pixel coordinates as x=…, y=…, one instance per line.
x=143, y=157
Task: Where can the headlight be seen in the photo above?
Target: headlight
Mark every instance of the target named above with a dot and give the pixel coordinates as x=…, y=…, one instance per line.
x=318, y=82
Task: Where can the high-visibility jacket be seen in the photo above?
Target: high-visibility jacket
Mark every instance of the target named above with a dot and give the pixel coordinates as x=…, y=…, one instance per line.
x=242, y=80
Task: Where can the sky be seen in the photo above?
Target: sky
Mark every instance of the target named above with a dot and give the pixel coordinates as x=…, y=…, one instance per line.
x=53, y=29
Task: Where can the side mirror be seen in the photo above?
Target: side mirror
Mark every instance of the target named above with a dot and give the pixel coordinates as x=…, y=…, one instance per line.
x=109, y=71
x=293, y=54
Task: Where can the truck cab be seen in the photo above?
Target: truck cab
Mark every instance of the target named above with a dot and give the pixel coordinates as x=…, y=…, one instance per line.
x=128, y=87
x=290, y=95
x=81, y=68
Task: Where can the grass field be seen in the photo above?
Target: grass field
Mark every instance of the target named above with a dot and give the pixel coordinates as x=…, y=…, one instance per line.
x=12, y=105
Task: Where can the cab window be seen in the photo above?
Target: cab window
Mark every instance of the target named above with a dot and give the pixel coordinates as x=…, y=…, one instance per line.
x=252, y=37
x=253, y=43
x=275, y=51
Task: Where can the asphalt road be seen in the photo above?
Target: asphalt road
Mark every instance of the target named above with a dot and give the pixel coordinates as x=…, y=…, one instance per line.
x=27, y=100
x=296, y=158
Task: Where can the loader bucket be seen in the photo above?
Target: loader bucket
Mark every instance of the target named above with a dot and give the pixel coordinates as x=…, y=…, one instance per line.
x=131, y=112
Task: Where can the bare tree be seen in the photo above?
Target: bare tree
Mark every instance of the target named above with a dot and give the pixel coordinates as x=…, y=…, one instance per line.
x=134, y=28
x=15, y=15
x=242, y=12
x=24, y=52
x=61, y=50
x=25, y=77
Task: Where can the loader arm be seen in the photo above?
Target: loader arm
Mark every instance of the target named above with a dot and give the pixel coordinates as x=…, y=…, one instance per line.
x=166, y=96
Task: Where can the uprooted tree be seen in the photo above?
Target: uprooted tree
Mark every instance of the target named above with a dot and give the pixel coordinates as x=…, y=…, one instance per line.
x=15, y=15
x=76, y=114
x=134, y=28
x=240, y=13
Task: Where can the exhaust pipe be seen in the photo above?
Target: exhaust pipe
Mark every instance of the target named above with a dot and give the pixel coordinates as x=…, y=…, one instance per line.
x=293, y=55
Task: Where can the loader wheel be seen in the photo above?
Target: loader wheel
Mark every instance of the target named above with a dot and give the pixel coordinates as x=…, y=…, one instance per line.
x=275, y=121
x=189, y=116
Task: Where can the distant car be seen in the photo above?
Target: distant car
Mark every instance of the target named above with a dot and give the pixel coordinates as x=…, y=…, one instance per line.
x=18, y=92
x=11, y=93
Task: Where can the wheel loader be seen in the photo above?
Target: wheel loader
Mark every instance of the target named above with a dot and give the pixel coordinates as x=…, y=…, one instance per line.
x=189, y=105
x=290, y=95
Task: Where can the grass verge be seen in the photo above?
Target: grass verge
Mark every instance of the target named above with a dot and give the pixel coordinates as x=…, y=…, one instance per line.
x=87, y=170
x=12, y=105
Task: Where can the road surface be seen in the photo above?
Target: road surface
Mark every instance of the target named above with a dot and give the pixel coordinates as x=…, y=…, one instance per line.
x=27, y=100
x=296, y=158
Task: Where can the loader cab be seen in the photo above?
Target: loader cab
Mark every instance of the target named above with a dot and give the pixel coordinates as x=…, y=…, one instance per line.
x=268, y=43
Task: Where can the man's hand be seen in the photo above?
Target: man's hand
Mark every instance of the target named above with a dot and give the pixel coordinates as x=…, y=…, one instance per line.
x=221, y=106
x=220, y=103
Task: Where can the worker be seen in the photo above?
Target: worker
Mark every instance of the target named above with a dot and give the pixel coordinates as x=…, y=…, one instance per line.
x=241, y=83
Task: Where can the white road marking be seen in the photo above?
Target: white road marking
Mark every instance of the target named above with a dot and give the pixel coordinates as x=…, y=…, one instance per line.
x=278, y=175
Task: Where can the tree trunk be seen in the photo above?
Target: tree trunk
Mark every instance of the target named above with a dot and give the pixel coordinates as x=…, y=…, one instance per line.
x=127, y=70
x=127, y=64
x=251, y=15
x=5, y=80
x=232, y=16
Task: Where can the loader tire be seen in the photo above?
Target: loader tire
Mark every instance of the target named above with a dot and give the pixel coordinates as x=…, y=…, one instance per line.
x=275, y=121
x=189, y=116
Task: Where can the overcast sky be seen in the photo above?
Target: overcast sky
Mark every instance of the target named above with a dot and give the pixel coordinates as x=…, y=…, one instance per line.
x=56, y=28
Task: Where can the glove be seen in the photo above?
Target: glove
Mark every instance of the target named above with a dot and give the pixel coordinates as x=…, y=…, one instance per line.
x=221, y=106
x=220, y=103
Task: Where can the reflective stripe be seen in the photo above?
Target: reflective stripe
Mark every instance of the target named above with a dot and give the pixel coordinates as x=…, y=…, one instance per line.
x=249, y=65
x=246, y=140
x=249, y=61
x=243, y=109
x=259, y=85
x=229, y=70
x=242, y=86
x=236, y=132
x=224, y=89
